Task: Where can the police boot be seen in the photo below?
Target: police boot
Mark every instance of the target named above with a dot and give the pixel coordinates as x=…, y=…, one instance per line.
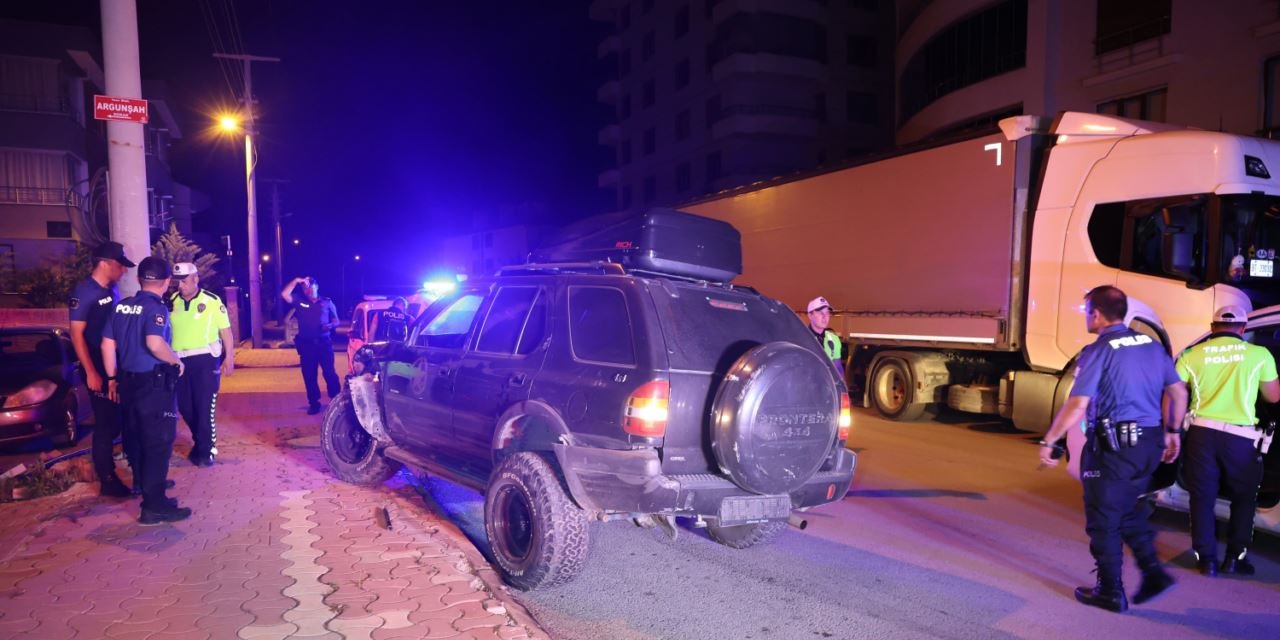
x=1107, y=594
x=1236, y=563
x=1206, y=566
x=1155, y=581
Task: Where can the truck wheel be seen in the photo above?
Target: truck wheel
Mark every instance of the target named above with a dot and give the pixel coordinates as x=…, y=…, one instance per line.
x=538, y=536
x=350, y=451
x=893, y=392
x=746, y=535
x=63, y=432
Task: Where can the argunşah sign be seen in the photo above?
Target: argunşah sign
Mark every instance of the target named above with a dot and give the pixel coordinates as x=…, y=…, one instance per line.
x=113, y=108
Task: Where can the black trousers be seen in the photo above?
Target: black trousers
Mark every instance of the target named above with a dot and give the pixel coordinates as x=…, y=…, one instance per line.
x=1217, y=460
x=1113, y=515
x=313, y=352
x=198, y=400
x=109, y=422
x=150, y=401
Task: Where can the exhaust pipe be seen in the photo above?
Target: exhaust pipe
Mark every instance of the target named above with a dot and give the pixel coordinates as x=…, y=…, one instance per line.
x=798, y=521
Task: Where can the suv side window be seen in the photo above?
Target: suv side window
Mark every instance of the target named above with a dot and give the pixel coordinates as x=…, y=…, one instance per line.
x=449, y=328
x=600, y=326
x=506, y=320
x=535, y=329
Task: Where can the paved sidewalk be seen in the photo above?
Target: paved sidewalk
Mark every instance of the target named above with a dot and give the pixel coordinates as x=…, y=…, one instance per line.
x=277, y=548
x=256, y=358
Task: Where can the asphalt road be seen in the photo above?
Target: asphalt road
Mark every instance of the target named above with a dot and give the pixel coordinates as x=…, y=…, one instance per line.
x=949, y=531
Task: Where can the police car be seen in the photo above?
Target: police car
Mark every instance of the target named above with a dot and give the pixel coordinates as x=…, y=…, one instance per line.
x=364, y=313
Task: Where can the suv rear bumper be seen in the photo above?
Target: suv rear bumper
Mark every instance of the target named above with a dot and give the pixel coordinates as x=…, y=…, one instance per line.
x=606, y=480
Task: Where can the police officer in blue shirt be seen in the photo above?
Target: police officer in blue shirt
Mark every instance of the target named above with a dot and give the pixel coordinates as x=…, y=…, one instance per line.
x=1120, y=382
x=90, y=306
x=317, y=318
x=143, y=372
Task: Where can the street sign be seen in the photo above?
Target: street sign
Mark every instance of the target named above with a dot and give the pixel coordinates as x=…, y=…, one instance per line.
x=113, y=108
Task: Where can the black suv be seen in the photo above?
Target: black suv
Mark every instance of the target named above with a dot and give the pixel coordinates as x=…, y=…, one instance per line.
x=618, y=375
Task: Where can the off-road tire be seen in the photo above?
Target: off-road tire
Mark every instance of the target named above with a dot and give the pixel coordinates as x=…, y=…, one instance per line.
x=352, y=453
x=538, y=536
x=64, y=432
x=746, y=535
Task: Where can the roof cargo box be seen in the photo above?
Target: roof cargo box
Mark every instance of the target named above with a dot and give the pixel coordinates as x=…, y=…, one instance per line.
x=660, y=240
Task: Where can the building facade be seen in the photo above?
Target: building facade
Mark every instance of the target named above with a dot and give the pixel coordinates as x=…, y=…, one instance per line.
x=963, y=64
x=713, y=94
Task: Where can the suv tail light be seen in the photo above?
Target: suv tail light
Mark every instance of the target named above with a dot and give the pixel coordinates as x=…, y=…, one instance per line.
x=846, y=418
x=646, y=413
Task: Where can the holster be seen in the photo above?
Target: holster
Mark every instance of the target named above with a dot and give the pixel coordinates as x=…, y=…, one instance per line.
x=1105, y=436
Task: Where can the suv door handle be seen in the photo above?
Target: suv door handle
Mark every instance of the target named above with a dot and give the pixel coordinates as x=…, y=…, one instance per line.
x=517, y=380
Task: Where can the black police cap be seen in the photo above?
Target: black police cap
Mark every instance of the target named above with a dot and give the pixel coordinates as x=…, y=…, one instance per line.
x=112, y=251
x=153, y=268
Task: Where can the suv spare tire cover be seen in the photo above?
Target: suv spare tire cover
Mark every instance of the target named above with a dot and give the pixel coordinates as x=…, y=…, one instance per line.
x=775, y=418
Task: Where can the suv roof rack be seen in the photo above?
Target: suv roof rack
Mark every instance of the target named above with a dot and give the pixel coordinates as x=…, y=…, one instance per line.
x=602, y=267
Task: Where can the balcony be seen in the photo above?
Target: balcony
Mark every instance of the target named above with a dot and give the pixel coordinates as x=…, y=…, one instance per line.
x=770, y=119
x=38, y=195
x=755, y=64
x=609, y=135
x=609, y=46
x=609, y=179
x=609, y=92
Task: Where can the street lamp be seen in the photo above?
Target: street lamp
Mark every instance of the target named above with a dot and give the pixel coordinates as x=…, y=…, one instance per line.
x=231, y=123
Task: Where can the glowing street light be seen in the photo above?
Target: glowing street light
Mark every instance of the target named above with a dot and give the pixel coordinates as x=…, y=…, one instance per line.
x=229, y=123
x=266, y=257
x=296, y=242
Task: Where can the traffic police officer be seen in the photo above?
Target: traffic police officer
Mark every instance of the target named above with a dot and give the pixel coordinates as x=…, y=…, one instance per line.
x=317, y=318
x=202, y=338
x=1120, y=382
x=820, y=323
x=393, y=322
x=91, y=304
x=1224, y=446
x=143, y=372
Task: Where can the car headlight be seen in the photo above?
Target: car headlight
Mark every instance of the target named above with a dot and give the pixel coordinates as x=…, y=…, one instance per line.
x=34, y=393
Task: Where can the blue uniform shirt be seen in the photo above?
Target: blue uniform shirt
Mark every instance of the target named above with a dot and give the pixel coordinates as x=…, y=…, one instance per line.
x=135, y=318
x=314, y=317
x=1124, y=374
x=92, y=304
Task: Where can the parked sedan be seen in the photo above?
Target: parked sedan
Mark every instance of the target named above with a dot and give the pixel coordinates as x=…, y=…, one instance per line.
x=41, y=386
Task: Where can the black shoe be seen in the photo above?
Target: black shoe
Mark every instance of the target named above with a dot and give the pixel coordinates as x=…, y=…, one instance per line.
x=171, y=512
x=205, y=461
x=113, y=487
x=1110, y=597
x=313, y=409
x=1153, y=584
x=1207, y=567
x=1237, y=563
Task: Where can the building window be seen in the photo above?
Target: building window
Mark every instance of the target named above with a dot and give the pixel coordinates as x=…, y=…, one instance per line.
x=861, y=107
x=682, y=74
x=650, y=141
x=1271, y=101
x=646, y=47
x=646, y=95
x=764, y=32
x=1144, y=106
x=683, y=177
x=714, y=168
x=861, y=51
x=624, y=108
x=682, y=22
x=682, y=125
x=713, y=110
x=32, y=84
x=981, y=46
x=1123, y=23
x=624, y=153
x=650, y=189
x=57, y=229
x=31, y=177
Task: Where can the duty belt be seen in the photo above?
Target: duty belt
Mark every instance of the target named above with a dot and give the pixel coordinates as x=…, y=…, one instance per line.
x=213, y=348
x=1243, y=430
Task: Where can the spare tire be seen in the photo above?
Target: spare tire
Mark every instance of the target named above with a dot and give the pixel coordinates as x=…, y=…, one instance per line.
x=775, y=418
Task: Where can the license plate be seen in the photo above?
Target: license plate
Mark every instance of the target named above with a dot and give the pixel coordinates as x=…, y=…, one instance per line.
x=747, y=509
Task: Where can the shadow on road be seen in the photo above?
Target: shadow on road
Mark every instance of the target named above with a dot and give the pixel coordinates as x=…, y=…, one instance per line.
x=914, y=493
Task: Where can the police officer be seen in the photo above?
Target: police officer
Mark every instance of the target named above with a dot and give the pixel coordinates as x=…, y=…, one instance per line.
x=820, y=323
x=1224, y=446
x=143, y=373
x=393, y=322
x=91, y=304
x=317, y=318
x=1120, y=382
x=202, y=338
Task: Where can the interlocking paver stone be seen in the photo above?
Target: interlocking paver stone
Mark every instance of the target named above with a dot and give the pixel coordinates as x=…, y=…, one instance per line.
x=276, y=548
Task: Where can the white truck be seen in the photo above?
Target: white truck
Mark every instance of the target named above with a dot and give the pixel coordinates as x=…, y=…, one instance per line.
x=958, y=272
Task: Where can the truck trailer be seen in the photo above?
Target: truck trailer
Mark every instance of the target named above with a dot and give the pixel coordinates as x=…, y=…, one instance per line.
x=958, y=272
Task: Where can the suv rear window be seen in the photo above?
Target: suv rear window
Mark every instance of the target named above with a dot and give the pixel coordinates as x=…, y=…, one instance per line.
x=705, y=326
x=600, y=325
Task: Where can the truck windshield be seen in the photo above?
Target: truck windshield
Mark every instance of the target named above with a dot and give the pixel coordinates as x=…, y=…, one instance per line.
x=1250, y=238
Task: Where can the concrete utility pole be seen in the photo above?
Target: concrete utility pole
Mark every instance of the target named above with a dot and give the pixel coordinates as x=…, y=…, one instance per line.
x=250, y=167
x=276, y=217
x=126, y=151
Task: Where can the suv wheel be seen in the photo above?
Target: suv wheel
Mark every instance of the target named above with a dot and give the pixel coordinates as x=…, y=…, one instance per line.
x=350, y=451
x=538, y=536
x=745, y=535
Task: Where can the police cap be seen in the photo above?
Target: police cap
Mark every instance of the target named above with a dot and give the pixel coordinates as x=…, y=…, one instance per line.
x=153, y=268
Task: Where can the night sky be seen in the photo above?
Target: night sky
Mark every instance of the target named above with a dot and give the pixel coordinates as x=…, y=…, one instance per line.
x=393, y=122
